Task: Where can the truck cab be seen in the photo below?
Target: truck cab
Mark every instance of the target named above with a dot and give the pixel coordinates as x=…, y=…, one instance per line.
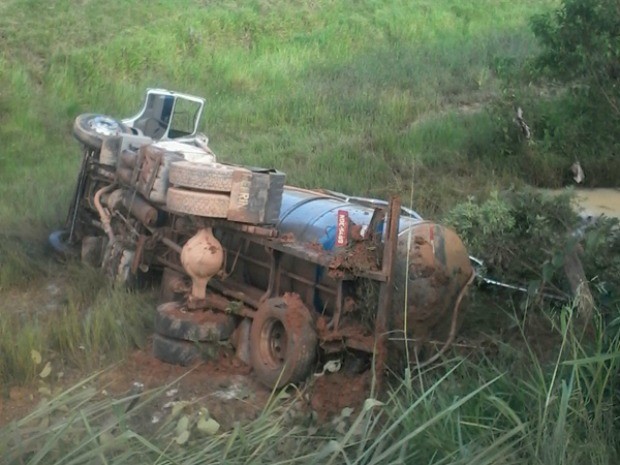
x=167, y=115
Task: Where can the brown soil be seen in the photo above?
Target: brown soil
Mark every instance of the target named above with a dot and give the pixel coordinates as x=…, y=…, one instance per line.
x=195, y=316
x=332, y=392
x=16, y=403
x=226, y=387
x=223, y=385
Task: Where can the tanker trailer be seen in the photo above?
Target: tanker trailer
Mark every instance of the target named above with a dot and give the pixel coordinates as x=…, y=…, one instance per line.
x=322, y=282
x=287, y=275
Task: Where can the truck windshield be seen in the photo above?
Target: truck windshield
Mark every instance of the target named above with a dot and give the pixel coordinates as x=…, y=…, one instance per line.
x=184, y=118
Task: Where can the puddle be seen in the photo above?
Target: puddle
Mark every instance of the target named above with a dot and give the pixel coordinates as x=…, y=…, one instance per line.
x=596, y=202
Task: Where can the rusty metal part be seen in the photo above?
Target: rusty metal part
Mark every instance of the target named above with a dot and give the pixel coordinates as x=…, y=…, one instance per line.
x=453, y=325
x=157, y=235
x=429, y=285
x=274, y=274
x=283, y=272
x=128, y=159
x=352, y=336
x=170, y=264
x=255, y=196
x=382, y=323
x=191, y=223
x=137, y=258
x=202, y=257
x=247, y=294
x=79, y=192
x=103, y=215
x=439, y=267
x=124, y=175
x=140, y=208
x=219, y=302
x=150, y=161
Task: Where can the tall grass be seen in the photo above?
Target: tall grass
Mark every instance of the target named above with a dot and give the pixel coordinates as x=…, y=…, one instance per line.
x=77, y=319
x=518, y=408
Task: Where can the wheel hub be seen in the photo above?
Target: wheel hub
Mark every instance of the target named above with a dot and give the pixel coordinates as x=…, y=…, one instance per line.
x=105, y=126
x=275, y=344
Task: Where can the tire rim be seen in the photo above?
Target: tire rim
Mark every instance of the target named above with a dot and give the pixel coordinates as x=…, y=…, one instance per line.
x=105, y=126
x=273, y=343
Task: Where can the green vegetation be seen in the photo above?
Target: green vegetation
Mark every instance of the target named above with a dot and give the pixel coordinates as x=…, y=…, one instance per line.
x=506, y=228
x=369, y=98
x=581, y=47
x=518, y=407
x=77, y=320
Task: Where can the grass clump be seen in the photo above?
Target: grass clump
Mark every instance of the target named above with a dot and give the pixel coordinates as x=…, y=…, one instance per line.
x=88, y=326
x=525, y=236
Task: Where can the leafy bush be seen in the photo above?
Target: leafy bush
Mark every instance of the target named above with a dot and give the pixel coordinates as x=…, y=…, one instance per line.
x=581, y=47
x=581, y=42
x=524, y=236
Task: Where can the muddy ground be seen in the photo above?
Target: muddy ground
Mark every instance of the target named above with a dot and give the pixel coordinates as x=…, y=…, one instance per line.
x=226, y=387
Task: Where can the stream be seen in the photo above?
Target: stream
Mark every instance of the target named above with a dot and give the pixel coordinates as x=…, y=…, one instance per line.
x=596, y=201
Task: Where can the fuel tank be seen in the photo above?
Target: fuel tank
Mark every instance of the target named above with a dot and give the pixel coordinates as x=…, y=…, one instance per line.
x=431, y=272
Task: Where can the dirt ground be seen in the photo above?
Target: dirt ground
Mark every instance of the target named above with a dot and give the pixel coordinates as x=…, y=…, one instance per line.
x=226, y=387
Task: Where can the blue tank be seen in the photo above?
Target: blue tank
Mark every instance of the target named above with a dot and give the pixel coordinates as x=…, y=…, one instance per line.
x=431, y=273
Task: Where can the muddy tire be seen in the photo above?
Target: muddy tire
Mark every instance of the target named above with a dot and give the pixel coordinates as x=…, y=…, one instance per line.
x=184, y=353
x=207, y=177
x=283, y=342
x=202, y=326
x=92, y=129
x=205, y=204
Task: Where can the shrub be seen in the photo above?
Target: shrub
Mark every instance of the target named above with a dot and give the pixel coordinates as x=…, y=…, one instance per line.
x=524, y=237
x=581, y=47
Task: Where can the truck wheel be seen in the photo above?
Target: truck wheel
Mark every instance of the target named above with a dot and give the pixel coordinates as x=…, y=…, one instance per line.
x=92, y=129
x=183, y=353
x=171, y=321
x=202, y=176
x=197, y=203
x=283, y=342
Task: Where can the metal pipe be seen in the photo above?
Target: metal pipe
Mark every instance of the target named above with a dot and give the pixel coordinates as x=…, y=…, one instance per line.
x=140, y=208
x=289, y=274
x=479, y=266
x=78, y=193
x=453, y=325
x=105, y=216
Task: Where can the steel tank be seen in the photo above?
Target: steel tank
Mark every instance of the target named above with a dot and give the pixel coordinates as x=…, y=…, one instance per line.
x=431, y=272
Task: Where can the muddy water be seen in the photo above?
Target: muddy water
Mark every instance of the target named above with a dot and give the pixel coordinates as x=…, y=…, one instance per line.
x=596, y=202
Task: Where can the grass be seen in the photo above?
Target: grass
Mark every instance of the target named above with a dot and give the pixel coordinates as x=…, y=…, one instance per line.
x=314, y=85
x=369, y=98
x=75, y=319
x=517, y=408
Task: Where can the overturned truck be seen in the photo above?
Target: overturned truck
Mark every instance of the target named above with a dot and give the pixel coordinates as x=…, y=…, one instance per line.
x=289, y=277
